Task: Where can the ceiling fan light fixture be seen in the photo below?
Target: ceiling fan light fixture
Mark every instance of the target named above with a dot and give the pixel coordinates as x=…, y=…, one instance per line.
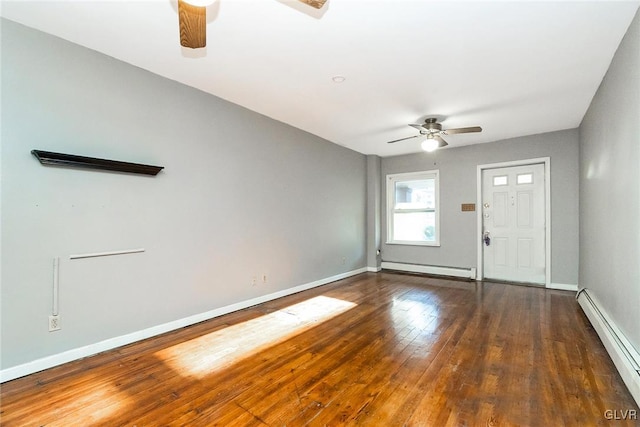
x=433, y=131
x=430, y=144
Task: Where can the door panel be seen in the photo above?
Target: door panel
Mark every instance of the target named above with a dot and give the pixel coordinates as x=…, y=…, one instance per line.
x=513, y=203
x=524, y=207
x=500, y=213
x=500, y=248
x=525, y=253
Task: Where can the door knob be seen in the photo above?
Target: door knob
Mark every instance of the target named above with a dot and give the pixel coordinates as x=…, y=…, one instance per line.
x=487, y=238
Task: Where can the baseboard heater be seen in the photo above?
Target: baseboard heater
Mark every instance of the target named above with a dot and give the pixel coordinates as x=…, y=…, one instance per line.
x=467, y=273
x=624, y=356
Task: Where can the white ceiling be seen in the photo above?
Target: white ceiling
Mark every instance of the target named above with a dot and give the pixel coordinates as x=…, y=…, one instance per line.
x=515, y=68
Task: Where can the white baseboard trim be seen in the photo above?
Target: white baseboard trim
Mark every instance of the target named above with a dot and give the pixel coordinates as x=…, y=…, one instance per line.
x=111, y=343
x=625, y=357
x=374, y=269
x=563, y=287
x=467, y=273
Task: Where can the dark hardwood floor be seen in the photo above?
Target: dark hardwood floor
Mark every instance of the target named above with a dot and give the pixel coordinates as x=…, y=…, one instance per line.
x=380, y=349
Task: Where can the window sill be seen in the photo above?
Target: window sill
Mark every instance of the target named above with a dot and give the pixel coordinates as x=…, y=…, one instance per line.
x=410, y=243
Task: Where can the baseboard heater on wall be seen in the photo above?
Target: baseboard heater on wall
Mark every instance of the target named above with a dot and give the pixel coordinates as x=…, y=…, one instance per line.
x=624, y=356
x=466, y=273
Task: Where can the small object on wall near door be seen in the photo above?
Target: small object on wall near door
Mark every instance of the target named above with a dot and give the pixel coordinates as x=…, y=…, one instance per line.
x=49, y=158
x=468, y=207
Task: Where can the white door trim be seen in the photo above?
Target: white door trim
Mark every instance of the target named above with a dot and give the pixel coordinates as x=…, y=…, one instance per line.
x=547, y=195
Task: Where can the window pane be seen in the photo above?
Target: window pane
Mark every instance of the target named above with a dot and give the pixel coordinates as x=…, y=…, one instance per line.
x=414, y=226
x=500, y=180
x=525, y=178
x=415, y=194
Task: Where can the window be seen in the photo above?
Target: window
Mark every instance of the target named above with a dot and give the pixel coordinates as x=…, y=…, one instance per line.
x=413, y=209
x=525, y=178
x=500, y=180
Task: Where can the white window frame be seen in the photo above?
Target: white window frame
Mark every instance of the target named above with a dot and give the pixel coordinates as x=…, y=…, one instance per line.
x=412, y=176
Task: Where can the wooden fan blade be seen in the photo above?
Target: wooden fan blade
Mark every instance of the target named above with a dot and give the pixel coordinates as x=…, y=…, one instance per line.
x=314, y=3
x=462, y=130
x=441, y=142
x=402, y=139
x=193, y=25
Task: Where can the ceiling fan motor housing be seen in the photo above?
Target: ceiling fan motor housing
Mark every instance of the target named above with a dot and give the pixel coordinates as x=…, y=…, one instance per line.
x=432, y=126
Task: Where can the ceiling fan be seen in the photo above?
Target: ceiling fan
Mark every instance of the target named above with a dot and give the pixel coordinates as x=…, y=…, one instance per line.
x=433, y=131
x=192, y=15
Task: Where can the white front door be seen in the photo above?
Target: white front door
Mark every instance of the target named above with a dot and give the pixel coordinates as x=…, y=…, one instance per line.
x=513, y=222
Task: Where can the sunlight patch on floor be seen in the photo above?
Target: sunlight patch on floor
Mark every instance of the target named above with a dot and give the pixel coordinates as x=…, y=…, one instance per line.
x=87, y=408
x=208, y=353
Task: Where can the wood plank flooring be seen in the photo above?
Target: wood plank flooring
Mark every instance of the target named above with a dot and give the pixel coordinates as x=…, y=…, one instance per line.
x=380, y=349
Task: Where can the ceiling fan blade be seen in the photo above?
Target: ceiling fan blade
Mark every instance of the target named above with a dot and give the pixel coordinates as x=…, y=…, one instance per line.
x=417, y=126
x=462, y=130
x=314, y=3
x=402, y=139
x=193, y=25
x=441, y=142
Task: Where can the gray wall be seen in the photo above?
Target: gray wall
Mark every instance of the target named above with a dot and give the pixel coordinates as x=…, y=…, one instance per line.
x=458, y=168
x=241, y=195
x=373, y=211
x=610, y=189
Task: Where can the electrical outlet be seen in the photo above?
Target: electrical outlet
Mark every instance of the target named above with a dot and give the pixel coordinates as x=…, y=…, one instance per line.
x=264, y=278
x=254, y=281
x=54, y=323
x=344, y=260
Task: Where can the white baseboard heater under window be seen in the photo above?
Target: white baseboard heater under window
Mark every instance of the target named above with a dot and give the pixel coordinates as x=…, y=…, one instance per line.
x=467, y=273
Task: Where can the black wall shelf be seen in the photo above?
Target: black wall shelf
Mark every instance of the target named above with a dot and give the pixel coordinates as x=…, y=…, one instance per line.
x=69, y=160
